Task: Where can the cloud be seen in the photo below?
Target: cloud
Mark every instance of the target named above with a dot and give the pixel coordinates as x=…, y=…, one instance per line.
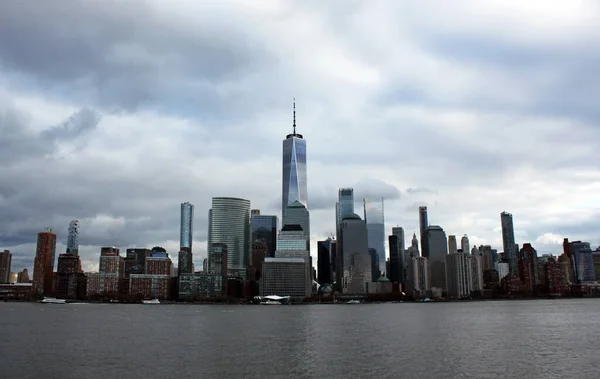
x=114, y=116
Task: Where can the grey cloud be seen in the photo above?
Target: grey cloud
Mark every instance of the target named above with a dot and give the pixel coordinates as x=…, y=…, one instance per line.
x=120, y=57
x=80, y=123
x=412, y=191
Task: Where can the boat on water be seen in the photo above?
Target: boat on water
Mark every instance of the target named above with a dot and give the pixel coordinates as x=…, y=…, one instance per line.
x=53, y=300
x=353, y=302
x=153, y=301
x=270, y=302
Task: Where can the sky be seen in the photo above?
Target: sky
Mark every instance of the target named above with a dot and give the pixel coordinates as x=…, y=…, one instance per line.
x=114, y=113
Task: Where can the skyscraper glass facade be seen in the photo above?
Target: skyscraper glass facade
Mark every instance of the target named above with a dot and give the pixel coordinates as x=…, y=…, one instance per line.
x=294, y=183
x=376, y=228
x=508, y=242
x=187, y=226
x=230, y=225
x=265, y=227
x=73, y=238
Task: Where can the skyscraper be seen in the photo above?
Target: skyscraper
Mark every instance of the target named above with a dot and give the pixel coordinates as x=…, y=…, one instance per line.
x=5, y=262
x=508, y=242
x=437, y=245
x=423, y=224
x=344, y=206
x=43, y=266
x=294, y=181
x=230, y=225
x=265, y=227
x=399, y=232
x=73, y=238
x=186, y=227
x=465, y=245
x=452, y=246
x=374, y=219
x=297, y=214
x=353, y=261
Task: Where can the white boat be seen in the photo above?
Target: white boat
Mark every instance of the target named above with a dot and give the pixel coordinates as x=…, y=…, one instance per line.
x=153, y=301
x=53, y=300
x=353, y=302
x=270, y=302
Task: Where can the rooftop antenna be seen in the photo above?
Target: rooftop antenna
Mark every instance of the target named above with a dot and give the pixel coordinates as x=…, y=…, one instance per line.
x=294, y=116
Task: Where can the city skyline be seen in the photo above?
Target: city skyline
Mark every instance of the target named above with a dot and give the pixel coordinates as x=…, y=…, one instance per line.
x=462, y=147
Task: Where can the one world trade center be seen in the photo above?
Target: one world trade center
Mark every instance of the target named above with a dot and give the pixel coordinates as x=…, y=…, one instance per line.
x=294, y=169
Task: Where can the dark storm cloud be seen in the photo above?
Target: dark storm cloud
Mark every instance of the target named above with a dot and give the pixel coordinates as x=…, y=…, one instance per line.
x=120, y=57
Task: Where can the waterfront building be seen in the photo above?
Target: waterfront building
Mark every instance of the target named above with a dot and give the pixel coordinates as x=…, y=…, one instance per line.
x=285, y=276
x=112, y=267
x=43, y=266
x=582, y=260
x=5, y=266
x=23, y=276
x=353, y=260
x=344, y=206
x=423, y=224
x=452, y=246
x=459, y=275
x=327, y=252
x=297, y=214
x=229, y=224
x=418, y=283
x=198, y=285
x=150, y=286
x=528, y=268
x=502, y=268
x=437, y=250
x=69, y=281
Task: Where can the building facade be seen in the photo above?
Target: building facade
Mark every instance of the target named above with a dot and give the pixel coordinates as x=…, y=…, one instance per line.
x=508, y=242
x=374, y=218
x=229, y=224
x=294, y=179
x=43, y=266
x=265, y=227
x=186, y=228
x=5, y=266
x=73, y=238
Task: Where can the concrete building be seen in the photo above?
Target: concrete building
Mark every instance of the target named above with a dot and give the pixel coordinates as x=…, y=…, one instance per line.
x=452, y=246
x=476, y=271
x=5, y=266
x=458, y=274
x=150, y=286
x=418, y=283
x=198, y=285
x=43, y=266
x=285, y=277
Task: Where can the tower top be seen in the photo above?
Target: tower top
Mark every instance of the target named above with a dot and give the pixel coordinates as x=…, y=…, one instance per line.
x=294, y=134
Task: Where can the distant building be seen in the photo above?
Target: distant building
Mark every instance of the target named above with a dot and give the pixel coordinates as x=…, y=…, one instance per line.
x=396, y=271
x=149, y=286
x=43, y=266
x=73, y=238
x=70, y=282
x=112, y=267
x=297, y=214
x=437, y=246
x=326, y=255
x=23, y=276
x=198, y=285
x=508, y=242
x=293, y=175
x=375, y=221
x=476, y=271
x=353, y=260
x=260, y=250
x=528, y=268
x=265, y=227
x=502, y=268
x=5, y=263
x=458, y=274
x=185, y=263
x=452, y=246
x=582, y=261
x=344, y=206
x=186, y=229
x=229, y=224
x=423, y=224
x=418, y=284
x=285, y=277
x=464, y=244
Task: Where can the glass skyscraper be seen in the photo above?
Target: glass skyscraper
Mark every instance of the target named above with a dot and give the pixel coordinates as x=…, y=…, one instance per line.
x=508, y=242
x=229, y=224
x=265, y=227
x=73, y=238
x=186, y=228
x=376, y=228
x=294, y=184
x=345, y=204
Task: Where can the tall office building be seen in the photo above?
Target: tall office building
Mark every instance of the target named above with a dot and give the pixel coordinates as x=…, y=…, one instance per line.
x=452, y=246
x=265, y=227
x=344, y=206
x=396, y=272
x=5, y=262
x=465, y=245
x=73, y=238
x=423, y=224
x=186, y=227
x=508, y=242
x=418, y=283
x=582, y=261
x=374, y=218
x=43, y=266
x=459, y=275
x=437, y=249
x=326, y=251
x=353, y=261
x=297, y=214
x=294, y=180
x=230, y=225
x=399, y=232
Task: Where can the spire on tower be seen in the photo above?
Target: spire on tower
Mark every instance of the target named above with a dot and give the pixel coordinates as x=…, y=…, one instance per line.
x=294, y=115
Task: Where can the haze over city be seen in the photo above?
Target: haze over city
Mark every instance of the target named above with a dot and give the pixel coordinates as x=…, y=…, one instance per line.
x=116, y=115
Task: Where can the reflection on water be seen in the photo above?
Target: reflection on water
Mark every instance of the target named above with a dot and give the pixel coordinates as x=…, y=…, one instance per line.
x=514, y=340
